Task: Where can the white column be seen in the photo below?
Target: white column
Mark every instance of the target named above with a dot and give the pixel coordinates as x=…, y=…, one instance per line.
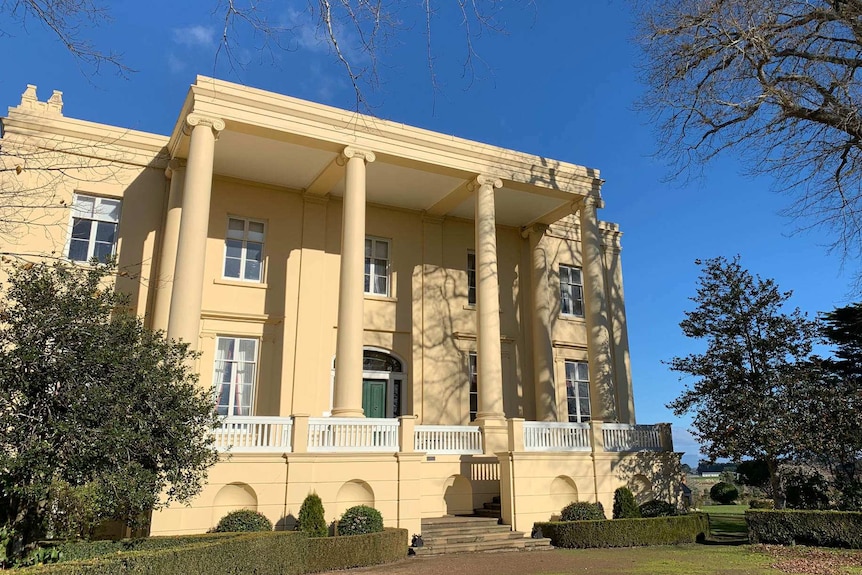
x=347, y=397
x=602, y=387
x=185, y=316
x=543, y=351
x=176, y=173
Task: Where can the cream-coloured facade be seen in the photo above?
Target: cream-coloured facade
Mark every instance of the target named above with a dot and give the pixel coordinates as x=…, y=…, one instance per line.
x=387, y=315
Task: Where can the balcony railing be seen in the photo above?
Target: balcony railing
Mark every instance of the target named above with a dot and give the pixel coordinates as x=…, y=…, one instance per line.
x=547, y=436
x=448, y=439
x=625, y=437
x=254, y=434
x=348, y=434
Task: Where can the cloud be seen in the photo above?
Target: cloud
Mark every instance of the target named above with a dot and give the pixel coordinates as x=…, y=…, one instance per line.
x=194, y=36
x=683, y=440
x=175, y=65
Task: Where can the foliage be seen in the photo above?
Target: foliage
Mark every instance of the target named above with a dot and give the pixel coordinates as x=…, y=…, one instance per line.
x=820, y=528
x=777, y=82
x=100, y=415
x=744, y=380
x=331, y=553
x=627, y=532
x=83, y=550
x=761, y=504
x=805, y=489
x=243, y=520
x=312, y=519
x=582, y=511
x=754, y=473
x=724, y=493
x=6, y=537
x=625, y=506
x=360, y=520
x=658, y=508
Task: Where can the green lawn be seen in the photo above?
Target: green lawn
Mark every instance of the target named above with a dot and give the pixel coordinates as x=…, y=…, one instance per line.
x=724, y=509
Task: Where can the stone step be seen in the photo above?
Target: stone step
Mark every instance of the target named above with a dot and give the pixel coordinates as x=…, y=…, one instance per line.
x=471, y=537
x=473, y=534
x=513, y=544
x=456, y=531
x=489, y=513
x=457, y=521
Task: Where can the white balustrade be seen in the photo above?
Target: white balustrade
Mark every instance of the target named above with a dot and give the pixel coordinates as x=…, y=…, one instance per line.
x=625, y=437
x=352, y=434
x=551, y=436
x=442, y=439
x=248, y=434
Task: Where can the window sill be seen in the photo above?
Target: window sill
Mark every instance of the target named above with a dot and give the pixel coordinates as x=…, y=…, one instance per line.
x=472, y=307
x=377, y=297
x=572, y=318
x=239, y=283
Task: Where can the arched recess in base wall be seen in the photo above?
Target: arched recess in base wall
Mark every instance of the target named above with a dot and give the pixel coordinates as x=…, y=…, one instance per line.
x=563, y=491
x=457, y=496
x=641, y=487
x=354, y=492
x=232, y=497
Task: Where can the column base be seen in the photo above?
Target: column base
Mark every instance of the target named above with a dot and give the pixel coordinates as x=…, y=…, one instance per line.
x=347, y=412
x=495, y=432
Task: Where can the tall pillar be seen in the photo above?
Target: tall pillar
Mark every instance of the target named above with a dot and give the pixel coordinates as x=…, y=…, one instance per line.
x=490, y=367
x=602, y=390
x=176, y=172
x=347, y=400
x=543, y=351
x=185, y=316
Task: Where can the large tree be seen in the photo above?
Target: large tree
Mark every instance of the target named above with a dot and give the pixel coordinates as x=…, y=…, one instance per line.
x=776, y=81
x=744, y=379
x=94, y=407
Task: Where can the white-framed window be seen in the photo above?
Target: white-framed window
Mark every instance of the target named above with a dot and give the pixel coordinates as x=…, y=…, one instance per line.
x=377, y=266
x=243, y=250
x=474, y=385
x=578, y=391
x=471, y=277
x=571, y=291
x=94, y=228
x=235, y=374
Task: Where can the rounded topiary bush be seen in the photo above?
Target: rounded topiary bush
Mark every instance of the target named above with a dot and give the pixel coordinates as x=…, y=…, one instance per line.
x=311, y=518
x=360, y=520
x=658, y=508
x=582, y=511
x=625, y=506
x=243, y=520
x=724, y=493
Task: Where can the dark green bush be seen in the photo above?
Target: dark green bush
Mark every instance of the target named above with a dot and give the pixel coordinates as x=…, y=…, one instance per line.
x=243, y=520
x=761, y=504
x=818, y=528
x=724, y=493
x=80, y=550
x=312, y=520
x=627, y=532
x=360, y=520
x=625, y=506
x=805, y=490
x=658, y=508
x=331, y=553
x=582, y=511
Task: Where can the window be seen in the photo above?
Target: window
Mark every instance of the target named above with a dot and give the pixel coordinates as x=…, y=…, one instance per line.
x=243, y=254
x=471, y=277
x=376, y=266
x=578, y=390
x=235, y=367
x=474, y=386
x=571, y=291
x=94, y=228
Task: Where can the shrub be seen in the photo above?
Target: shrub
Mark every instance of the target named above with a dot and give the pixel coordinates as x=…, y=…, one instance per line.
x=625, y=506
x=243, y=520
x=360, y=520
x=761, y=504
x=332, y=553
x=658, y=508
x=818, y=528
x=724, y=493
x=805, y=490
x=627, y=532
x=81, y=550
x=582, y=511
x=311, y=520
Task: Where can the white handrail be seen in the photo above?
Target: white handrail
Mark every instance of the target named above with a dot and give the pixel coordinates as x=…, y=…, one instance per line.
x=443, y=439
x=552, y=436
x=247, y=434
x=625, y=437
x=352, y=434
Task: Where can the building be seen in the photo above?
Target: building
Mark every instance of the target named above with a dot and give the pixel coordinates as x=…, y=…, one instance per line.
x=386, y=315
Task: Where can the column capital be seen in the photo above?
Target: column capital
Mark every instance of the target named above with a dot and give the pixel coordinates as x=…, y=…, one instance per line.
x=173, y=165
x=216, y=124
x=351, y=152
x=483, y=180
x=590, y=201
x=534, y=230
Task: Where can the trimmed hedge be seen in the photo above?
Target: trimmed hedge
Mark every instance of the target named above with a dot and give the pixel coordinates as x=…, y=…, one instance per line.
x=818, y=528
x=81, y=550
x=261, y=553
x=626, y=532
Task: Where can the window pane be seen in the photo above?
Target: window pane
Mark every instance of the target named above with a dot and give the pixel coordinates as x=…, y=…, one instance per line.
x=583, y=372
x=103, y=251
x=565, y=299
x=254, y=252
x=81, y=229
x=247, y=350
x=107, y=210
x=367, y=288
x=78, y=250
x=585, y=407
x=381, y=285
x=578, y=301
x=571, y=368
x=368, y=248
x=83, y=206
x=575, y=276
x=380, y=267
x=235, y=228
x=255, y=231
x=381, y=249
x=225, y=347
x=105, y=232
x=252, y=270
x=584, y=390
x=564, y=274
x=233, y=249
x=474, y=405
x=231, y=268
x=573, y=408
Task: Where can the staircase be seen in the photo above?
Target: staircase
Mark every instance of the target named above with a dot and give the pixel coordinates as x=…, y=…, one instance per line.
x=492, y=509
x=467, y=534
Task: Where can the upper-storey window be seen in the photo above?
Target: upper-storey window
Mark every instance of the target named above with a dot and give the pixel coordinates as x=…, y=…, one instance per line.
x=471, y=277
x=94, y=228
x=243, y=254
x=235, y=372
x=571, y=291
x=377, y=266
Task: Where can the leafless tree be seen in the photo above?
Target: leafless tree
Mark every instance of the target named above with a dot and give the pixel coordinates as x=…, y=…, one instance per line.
x=776, y=81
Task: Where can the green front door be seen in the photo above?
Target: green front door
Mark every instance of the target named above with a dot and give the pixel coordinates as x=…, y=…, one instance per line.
x=374, y=397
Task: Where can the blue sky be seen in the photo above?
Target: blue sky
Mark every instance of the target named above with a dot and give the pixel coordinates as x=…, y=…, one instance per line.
x=561, y=82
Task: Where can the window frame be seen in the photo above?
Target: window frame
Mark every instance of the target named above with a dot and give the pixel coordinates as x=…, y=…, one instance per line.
x=243, y=259
x=232, y=393
x=576, y=290
x=473, y=383
x=92, y=240
x=573, y=392
x=370, y=271
x=471, y=286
